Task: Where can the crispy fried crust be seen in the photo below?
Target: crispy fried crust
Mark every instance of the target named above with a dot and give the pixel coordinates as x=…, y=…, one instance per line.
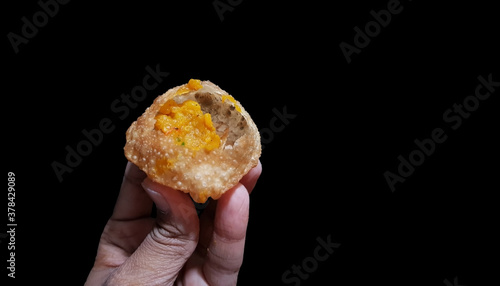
x=201, y=173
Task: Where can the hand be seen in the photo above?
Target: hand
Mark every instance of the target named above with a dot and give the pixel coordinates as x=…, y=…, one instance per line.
x=176, y=247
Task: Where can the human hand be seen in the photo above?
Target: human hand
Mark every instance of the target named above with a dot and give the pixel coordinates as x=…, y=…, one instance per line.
x=176, y=247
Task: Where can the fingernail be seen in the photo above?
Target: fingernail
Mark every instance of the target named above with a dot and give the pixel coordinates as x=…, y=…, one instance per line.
x=160, y=202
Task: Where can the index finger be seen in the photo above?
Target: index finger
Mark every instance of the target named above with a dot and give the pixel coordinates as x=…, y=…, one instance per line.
x=224, y=254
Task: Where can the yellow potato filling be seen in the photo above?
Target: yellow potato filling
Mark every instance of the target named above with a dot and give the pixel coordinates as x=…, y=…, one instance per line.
x=187, y=125
x=193, y=84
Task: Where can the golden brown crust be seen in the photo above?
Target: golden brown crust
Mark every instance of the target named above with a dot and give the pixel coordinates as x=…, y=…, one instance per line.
x=200, y=173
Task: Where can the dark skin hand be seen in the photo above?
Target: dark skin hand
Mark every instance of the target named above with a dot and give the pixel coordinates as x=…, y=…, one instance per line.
x=177, y=247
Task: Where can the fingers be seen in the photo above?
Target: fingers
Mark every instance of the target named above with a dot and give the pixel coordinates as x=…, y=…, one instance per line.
x=224, y=254
x=173, y=237
x=250, y=179
x=164, y=251
x=218, y=220
x=132, y=202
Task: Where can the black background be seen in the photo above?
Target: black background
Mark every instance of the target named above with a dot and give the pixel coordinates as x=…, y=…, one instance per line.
x=322, y=174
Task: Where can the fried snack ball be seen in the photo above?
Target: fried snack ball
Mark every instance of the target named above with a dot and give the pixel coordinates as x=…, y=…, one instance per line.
x=195, y=138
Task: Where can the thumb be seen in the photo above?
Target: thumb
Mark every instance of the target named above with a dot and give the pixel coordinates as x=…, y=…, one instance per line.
x=176, y=213
x=165, y=250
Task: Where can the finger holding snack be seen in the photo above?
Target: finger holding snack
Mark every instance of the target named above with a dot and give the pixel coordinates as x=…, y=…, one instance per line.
x=195, y=139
